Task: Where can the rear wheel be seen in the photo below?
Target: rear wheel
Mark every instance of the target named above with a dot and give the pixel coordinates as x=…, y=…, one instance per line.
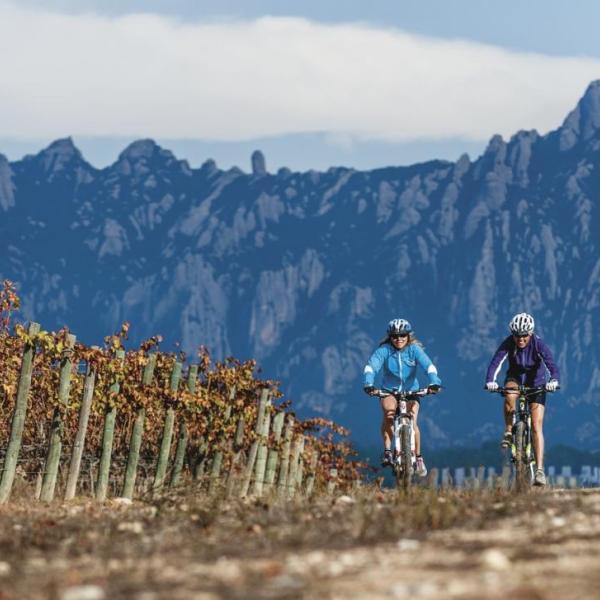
x=522, y=466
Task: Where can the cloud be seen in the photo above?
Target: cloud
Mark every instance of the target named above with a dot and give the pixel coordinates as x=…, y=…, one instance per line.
x=149, y=75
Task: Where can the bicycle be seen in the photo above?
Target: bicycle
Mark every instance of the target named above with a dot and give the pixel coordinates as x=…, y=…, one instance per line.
x=403, y=456
x=521, y=451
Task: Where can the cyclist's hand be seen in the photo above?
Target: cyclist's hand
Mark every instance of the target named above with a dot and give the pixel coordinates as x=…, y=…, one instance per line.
x=369, y=389
x=434, y=388
x=552, y=385
x=492, y=386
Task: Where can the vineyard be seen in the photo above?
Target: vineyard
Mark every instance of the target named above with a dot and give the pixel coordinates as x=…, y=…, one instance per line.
x=91, y=421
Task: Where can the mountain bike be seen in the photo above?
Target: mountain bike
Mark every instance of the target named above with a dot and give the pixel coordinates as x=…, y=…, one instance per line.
x=522, y=455
x=403, y=436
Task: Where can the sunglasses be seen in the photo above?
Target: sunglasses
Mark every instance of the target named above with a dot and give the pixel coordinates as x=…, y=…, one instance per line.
x=396, y=336
x=521, y=336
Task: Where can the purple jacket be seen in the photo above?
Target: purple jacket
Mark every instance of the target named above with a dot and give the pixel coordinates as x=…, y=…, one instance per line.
x=526, y=365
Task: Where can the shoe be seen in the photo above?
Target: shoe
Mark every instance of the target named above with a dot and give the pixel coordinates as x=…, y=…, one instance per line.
x=506, y=440
x=540, y=477
x=420, y=468
x=387, y=458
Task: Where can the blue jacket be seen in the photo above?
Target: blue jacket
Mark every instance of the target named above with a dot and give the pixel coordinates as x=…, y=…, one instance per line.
x=528, y=365
x=400, y=367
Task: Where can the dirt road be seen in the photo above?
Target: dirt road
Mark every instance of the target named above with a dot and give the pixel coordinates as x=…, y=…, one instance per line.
x=545, y=545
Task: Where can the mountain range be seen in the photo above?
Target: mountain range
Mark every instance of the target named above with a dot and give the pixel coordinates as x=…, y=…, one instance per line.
x=302, y=271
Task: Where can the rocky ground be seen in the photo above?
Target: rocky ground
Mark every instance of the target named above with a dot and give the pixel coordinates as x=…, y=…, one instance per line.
x=471, y=544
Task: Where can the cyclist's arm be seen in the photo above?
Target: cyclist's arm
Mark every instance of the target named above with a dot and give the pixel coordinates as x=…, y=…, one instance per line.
x=497, y=361
x=374, y=366
x=548, y=360
x=427, y=365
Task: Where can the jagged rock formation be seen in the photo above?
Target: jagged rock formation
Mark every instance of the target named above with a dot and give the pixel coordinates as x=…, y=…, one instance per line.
x=302, y=270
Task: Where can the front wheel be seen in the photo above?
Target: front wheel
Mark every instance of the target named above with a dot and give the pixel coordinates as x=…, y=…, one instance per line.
x=522, y=466
x=404, y=470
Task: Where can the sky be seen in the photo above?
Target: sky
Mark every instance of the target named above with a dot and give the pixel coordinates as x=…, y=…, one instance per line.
x=312, y=84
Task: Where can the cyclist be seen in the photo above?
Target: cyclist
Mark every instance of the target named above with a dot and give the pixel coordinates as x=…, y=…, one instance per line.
x=397, y=356
x=528, y=359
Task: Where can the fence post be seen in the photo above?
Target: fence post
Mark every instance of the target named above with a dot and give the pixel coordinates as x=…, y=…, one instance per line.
x=215, y=470
x=18, y=420
x=56, y=430
x=446, y=478
x=297, y=449
x=238, y=444
x=165, y=445
x=261, y=454
x=79, y=442
x=505, y=477
x=312, y=474
x=332, y=483
x=285, y=455
x=107, y=439
x=182, y=438
x=432, y=478
x=262, y=405
x=135, y=441
x=273, y=456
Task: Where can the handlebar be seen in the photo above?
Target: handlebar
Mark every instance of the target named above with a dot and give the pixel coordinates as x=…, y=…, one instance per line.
x=522, y=389
x=401, y=395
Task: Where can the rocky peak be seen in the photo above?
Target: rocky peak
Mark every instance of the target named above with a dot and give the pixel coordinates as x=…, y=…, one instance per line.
x=142, y=149
x=259, y=166
x=58, y=155
x=583, y=122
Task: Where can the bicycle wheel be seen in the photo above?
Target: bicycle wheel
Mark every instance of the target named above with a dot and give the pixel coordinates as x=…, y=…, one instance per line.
x=406, y=457
x=521, y=463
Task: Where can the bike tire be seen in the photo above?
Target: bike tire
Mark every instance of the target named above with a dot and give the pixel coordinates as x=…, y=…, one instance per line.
x=522, y=478
x=406, y=456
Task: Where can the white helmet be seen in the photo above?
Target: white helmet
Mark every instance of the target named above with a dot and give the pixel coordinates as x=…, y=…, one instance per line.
x=522, y=324
x=396, y=326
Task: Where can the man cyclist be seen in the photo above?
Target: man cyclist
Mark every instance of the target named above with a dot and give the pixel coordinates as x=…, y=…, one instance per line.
x=528, y=360
x=397, y=358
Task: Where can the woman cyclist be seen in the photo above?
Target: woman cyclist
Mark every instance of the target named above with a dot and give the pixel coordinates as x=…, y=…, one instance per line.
x=397, y=357
x=528, y=359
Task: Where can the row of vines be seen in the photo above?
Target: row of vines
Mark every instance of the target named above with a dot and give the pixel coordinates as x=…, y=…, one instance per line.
x=201, y=422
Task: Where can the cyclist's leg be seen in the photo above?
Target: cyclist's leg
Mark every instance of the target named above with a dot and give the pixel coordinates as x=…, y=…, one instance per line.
x=413, y=409
x=538, y=408
x=388, y=405
x=509, y=403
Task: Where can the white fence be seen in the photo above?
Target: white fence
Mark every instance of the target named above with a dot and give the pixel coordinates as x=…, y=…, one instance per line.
x=480, y=477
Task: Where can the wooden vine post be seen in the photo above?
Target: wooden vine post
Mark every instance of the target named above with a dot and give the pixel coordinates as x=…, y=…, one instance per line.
x=167, y=437
x=312, y=472
x=108, y=436
x=285, y=456
x=20, y=412
x=78, y=444
x=262, y=453
x=215, y=471
x=182, y=438
x=56, y=430
x=260, y=416
x=238, y=444
x=273, y=456
x=135, y=442
x=293, y=476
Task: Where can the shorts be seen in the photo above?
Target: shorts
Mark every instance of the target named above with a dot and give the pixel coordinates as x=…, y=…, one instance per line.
x=537, y=398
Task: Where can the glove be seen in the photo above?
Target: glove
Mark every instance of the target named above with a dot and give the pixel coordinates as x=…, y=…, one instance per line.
x=491, y=386
x=369, y=389
x=552, y=385
x=434, y=388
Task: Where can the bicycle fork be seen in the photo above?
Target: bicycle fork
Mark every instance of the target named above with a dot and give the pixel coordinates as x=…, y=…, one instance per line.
x=401, y=419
